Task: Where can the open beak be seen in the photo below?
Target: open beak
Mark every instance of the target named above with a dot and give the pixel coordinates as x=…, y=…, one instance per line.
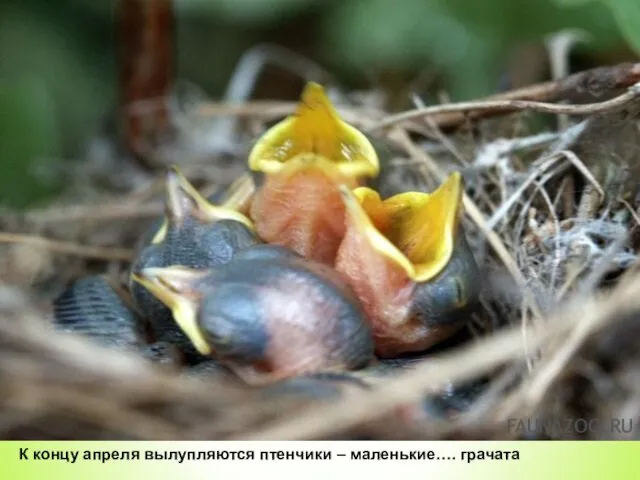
x=184, y=200
x=414, y=230
x=315, y=137
x=173, y=287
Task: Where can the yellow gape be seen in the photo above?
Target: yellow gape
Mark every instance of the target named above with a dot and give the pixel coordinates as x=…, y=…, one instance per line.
x=170, y=285
x=414, y=230
x=314, y=137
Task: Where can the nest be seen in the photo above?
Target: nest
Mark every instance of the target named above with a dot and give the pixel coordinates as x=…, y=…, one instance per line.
x=552, y=225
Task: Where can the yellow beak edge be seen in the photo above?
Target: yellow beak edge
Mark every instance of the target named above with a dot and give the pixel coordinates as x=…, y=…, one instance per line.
x=315, y=134
x=419, y=228
x=178, y=186
x=165, y=284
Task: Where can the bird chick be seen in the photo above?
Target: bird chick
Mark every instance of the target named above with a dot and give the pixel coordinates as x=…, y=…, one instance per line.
x=90, y=307
x=236, y=196
x=410, y=265
x=194, y=233
x=303, y=160
x=268, y=314
x=96, y=310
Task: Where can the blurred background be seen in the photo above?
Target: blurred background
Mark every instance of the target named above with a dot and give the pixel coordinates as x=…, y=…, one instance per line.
x=61, y=63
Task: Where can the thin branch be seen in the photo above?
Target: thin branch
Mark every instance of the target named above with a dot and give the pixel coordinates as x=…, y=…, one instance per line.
x=70, y=248
x=271, y=110
x=510, y=106
x=515, y=196
x=458, y=366
x=146, y=67
x=86, y=213
x=597, y=82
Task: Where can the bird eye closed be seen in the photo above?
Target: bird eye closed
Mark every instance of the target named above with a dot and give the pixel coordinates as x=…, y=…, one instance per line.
x=460, y=292
x=451, y=295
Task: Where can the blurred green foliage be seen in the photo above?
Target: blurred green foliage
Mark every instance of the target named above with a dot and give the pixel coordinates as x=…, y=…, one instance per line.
x=28, y=132
x=466, y=40
x=250, y=12
x=58, y=70
x=625, y=12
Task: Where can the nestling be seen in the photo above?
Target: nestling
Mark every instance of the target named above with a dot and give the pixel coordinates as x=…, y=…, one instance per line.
x=194, y=233
x=268, y=314
x=304, y=159
x=410, y=265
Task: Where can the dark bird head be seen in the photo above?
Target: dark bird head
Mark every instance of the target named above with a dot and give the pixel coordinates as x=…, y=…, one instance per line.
x=194, y=233
x=186, y=209
x=409, y=263
x=266, y=313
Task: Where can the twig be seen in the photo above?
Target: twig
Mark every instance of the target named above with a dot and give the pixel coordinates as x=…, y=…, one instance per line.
x=96, y=212
x=70, y=248
x=595, y=81
x=633, y=213
x=602, y=266
x=146, y=38
x=506, y=206
x=271, y=110
x=489, y=155
x=94, y=410
x=439, y=136
x=568, y=138
x=546, y=375
x=573, y=274
x=510, y=106
x=556, y=363
x=559, y=47
x=573, y=158
x=458, y=366
x=245, y=78
x=556, y=225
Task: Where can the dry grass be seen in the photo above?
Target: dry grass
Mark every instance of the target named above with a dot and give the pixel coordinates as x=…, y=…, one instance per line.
x=556, y=335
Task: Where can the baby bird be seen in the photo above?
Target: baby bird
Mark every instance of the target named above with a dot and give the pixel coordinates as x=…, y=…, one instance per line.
x=410, y=265
x=268, y=314
x=194, y=233
x=236, y=197
x=303, y=160
x=91, y=307
x=97, y=310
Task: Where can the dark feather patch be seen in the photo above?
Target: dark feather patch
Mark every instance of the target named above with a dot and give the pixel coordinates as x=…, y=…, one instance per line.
x=90, y=307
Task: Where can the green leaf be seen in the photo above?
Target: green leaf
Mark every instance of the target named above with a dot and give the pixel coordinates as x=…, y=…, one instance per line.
x=247, y=11
x=572, y=3
x=410, y=34
x=28, y=135
x=80, y=84
x=627, y=14
x=465, y=41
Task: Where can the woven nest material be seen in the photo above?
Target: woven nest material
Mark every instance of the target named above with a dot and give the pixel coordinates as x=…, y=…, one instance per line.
x=555, y=339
